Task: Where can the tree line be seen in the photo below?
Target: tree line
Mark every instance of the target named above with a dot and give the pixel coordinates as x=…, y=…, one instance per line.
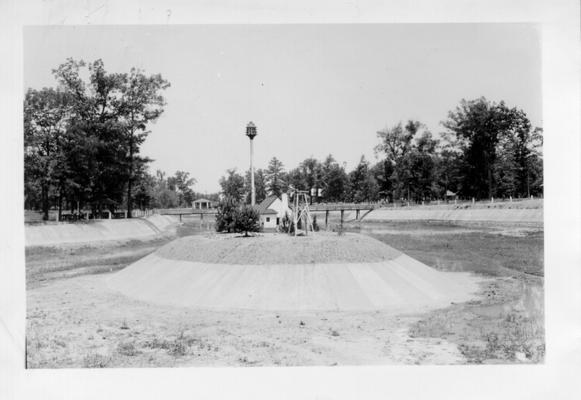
x=82, y=144
x=487, y=150
x=82, y=139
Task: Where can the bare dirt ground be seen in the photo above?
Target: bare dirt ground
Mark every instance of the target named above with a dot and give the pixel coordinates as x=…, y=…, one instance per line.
x=79, y=322
x=74, y=320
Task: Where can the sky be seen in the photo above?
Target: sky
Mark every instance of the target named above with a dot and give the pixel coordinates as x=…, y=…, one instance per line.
x=311, y=90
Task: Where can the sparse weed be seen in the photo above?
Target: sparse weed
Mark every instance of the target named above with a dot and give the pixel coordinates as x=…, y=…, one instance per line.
x=127, y=349
x=176, y=347
x=95, y=360
x=506, y=330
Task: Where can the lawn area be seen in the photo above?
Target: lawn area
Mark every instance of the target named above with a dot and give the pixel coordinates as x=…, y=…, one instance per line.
x=484, y=251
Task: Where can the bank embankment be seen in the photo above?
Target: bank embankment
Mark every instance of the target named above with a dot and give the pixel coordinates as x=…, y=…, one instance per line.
x=532, y=216
x=98, y=231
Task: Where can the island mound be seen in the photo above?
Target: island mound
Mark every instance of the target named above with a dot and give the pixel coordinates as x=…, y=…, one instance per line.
x=268, y=249
x=277, y=272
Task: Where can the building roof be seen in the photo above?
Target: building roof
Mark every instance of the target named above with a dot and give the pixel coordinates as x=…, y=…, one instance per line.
x=450, y=193
x=263, y=207
x=202, y=201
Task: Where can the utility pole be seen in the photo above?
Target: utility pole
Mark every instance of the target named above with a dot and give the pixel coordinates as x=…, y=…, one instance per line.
x=251, y=133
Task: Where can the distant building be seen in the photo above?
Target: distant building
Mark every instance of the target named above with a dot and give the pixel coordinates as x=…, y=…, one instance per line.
x=450, y=194
x=272, y=210
x=202, y=204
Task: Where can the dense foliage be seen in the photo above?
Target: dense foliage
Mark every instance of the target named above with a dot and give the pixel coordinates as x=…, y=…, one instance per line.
x=82, y=139
x=234, y=217
x=225, y=215
x=486, y=150
x=246, y=219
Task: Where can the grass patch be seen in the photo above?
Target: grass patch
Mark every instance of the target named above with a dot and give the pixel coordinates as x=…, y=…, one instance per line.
x=177, y=347
x=483, y=253
x=507, y=326
x=96, y=360
x=127, y=349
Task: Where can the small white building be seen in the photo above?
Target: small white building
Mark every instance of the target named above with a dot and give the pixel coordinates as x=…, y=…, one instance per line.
x=202, y=204
x=272, y=210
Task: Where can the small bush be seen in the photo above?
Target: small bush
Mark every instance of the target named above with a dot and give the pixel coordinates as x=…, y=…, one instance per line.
x=246, y=219
x=286, y=225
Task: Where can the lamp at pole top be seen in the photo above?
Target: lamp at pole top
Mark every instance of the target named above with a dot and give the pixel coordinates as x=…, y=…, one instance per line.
x=251, y=130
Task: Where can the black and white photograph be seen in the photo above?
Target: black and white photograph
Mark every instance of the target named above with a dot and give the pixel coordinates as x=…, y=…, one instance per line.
x=255, y=196
x=283, y=195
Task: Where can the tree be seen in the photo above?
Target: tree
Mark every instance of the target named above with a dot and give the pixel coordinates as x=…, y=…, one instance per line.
x=382, y=172
x=312, y=173
x=274, y=175
x=259, y=185
x=225, y=215
x=296, y=179
x=46, y=114
x=112, y=111
x=397, y=145
x=476, y=124
x=335, y=180
x=142, y=103
x=363, y=184
x=145, y=185
x=495, y=142
x=182, y=184
x=233, y=185
x=423, y=161
x=395, y=142
x=165, y=195
x=246, y=219
x=96, y=151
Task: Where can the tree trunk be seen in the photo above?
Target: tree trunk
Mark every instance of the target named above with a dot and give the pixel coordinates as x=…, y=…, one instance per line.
x=489, y=182
x=60, y=203
x=45, y=203
x=130, y=178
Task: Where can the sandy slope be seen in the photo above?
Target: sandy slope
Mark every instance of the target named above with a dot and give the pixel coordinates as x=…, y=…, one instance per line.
x=95, y=231
x=523, y=215
x=389, y=281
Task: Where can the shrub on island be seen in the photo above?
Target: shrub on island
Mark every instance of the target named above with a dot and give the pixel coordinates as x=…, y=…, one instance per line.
x=239, y=219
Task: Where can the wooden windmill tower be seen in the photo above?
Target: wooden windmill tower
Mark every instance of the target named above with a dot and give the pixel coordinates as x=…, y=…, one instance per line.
x=300, y=210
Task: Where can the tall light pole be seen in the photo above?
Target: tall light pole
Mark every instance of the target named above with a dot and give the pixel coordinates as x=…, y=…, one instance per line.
x=251, y=133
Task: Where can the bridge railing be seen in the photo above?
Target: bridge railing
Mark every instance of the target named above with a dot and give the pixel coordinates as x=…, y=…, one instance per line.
x=343, y=206
x=184, y=211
